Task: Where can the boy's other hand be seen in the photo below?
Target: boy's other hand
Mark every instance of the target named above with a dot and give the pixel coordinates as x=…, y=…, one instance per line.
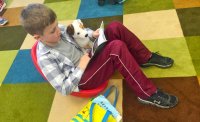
x=95, y=33
x=84, y=61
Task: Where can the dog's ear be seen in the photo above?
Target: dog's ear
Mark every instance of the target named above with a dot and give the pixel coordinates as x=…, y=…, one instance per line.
x=70, y=30
x=79, y=21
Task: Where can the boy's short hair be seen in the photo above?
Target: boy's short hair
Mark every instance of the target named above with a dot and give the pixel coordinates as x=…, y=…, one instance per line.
x=36, y=17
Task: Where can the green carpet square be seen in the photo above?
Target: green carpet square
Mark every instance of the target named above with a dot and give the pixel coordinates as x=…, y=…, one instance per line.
x=6, y=61
x=175, y=48
x=67, y=10
x=136, y=6
x=193, y=43
x=196, y=63
x=190, y=21
x=53, y=1
x=8, y=2
x=11, y=37
x=25, y=102
x=94, y=23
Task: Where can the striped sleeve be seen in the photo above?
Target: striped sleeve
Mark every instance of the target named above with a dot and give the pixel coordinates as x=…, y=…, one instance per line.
x=64, y=80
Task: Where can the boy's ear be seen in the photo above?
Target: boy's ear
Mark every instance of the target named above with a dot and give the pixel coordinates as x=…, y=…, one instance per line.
x=36, y=37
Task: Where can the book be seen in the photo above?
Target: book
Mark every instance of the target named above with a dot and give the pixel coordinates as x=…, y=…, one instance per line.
x=100, y=41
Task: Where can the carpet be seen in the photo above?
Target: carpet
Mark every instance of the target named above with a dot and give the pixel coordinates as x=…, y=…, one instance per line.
x=186, y=89
x=170, y=27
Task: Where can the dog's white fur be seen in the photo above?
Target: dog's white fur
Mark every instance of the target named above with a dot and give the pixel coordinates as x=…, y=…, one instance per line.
x=80, y=35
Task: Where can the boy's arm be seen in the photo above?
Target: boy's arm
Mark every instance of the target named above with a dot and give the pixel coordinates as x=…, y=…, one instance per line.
x=65, y=81
x=84, y=60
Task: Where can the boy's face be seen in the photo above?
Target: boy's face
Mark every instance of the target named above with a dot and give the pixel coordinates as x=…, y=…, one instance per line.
x=51, y=35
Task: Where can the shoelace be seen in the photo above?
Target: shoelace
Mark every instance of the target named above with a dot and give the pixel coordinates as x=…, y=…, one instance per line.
x=159, y=55
x=163, y=97
x=157, y=52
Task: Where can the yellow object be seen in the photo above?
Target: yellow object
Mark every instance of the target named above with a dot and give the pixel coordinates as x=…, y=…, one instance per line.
x=100, y=109
x=97, y=114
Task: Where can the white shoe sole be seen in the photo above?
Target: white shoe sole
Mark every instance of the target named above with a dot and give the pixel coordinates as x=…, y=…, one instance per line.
x=154, y=104
x=5, y=22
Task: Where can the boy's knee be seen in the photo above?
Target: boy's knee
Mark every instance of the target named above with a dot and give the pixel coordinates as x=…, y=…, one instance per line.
x=117, y=47
x=114, y=25
x=117, y=44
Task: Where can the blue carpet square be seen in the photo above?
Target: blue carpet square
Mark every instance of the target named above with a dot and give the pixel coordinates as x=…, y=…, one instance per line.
x=91, y=9
x=23, y=69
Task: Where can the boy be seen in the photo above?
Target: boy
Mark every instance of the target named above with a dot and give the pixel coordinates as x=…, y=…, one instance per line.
x=66, y=67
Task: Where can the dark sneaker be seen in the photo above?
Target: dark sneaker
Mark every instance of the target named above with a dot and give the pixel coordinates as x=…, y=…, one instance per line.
x=161, y=99
x=117, y=1
x=159, y=61
x=113, y=2
x=101, y=2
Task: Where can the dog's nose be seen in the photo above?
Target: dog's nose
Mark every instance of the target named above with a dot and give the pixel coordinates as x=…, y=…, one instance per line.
x=86, y=35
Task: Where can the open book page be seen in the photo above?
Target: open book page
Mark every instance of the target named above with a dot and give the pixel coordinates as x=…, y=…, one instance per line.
x=100, y=40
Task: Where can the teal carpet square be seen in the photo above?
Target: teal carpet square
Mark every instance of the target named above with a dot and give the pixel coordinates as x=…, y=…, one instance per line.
x=23, y=70
x=93, y=10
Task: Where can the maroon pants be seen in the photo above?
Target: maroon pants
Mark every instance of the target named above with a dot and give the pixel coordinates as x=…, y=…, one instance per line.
x=1, y=3
x=123, y=52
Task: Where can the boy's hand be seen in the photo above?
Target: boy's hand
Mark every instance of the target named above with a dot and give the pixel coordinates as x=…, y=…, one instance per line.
x=84, y=61
x=95, y=33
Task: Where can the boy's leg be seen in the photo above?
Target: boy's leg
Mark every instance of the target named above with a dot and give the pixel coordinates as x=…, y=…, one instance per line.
x=116, y=56
x=117, y=31
x=1, y=3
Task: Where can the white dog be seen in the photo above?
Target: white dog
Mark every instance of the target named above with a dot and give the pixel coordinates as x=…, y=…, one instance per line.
x=77, y=31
